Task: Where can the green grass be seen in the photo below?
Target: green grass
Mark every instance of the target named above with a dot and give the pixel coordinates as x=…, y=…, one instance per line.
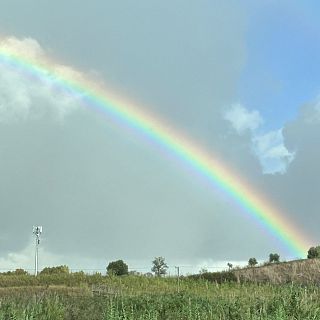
x=134, y=298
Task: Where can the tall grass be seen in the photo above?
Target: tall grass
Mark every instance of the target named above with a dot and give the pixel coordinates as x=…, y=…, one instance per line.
x=134, y=298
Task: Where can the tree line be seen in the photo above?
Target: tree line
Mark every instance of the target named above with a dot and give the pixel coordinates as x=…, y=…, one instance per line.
x=313, y=253
x=120, y=268
x=159, y=266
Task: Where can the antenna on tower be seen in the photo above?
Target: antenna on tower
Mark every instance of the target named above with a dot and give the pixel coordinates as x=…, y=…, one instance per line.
x=37, y=232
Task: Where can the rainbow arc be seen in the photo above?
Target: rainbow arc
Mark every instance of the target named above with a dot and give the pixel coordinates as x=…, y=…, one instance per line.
x=206, y=164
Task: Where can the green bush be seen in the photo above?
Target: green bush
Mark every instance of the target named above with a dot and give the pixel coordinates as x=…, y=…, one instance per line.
x=17, y=272
x=218, y=277
x=55, y=270
x=117, y=268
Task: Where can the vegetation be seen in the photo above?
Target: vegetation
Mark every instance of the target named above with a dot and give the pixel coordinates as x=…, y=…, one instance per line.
x=216, y=277
x=252, y=262
x=314, y=252
x=274, y=257
x=159, y=267
x=55, y=270
x=275, y=291
x=139, y=297
x=303, y=272
x=117, y=268
x=17, y=272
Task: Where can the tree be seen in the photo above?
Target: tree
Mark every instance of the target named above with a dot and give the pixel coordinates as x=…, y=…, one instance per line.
x=274, y=257
x=314, y=252
x=17, y=272
x=252, y=262
x=134, y=273
x=117, y=268
x=230, y=265
x=55, y=270
x=159, y=267
x=203, y=270
x=20, y=272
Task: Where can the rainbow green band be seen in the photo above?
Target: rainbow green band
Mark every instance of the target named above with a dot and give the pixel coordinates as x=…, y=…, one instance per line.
x=208, y=165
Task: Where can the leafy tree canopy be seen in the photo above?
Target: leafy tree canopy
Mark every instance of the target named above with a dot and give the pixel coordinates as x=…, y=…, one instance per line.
x=117, y=268
x=159, y=267
x=274, y=257
x=314, y=252
x=252, y=262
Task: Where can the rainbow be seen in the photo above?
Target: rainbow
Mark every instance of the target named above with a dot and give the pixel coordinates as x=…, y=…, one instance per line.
x=220, y=176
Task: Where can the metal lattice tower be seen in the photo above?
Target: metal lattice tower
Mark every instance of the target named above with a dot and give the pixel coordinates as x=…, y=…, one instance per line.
x=37, y=232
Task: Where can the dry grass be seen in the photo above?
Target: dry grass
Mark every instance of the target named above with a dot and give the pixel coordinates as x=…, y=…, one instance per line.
x=298, y=271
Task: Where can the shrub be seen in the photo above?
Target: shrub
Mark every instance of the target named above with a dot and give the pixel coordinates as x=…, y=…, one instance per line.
x=55, y=270
x=218, y=277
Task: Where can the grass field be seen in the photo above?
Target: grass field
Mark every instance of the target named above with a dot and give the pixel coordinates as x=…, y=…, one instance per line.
x=133, y=297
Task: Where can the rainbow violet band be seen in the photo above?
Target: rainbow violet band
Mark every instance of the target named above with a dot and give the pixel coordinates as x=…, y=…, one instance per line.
x=207, y=165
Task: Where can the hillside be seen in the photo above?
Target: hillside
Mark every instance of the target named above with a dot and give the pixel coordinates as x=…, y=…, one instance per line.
x=298, y=271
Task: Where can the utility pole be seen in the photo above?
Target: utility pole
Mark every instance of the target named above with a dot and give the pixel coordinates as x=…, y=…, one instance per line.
x=37, y=232
x=178, y=273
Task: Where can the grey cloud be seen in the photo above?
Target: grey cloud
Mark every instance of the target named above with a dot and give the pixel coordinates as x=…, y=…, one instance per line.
x=101, y=191
x=297, y=190
x=97, y=193
x=181, y=60
x=268, y=147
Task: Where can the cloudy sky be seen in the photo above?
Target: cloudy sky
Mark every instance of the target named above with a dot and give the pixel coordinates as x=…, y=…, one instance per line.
x=239, y=78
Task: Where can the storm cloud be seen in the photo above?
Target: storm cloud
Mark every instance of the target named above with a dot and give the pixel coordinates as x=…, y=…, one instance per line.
x=99, y=190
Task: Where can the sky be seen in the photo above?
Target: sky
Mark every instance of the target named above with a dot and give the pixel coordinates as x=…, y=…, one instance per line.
x=241, y=79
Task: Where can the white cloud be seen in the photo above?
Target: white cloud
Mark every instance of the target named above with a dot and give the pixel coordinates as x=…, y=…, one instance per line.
x=24, y=94
x=272, y=153
x=242, y=119
x=213, y=265
x=25, y=259
x=29, y=47
x=269, y=148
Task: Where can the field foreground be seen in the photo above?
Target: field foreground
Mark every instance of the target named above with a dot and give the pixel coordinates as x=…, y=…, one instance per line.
x=136, y=297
